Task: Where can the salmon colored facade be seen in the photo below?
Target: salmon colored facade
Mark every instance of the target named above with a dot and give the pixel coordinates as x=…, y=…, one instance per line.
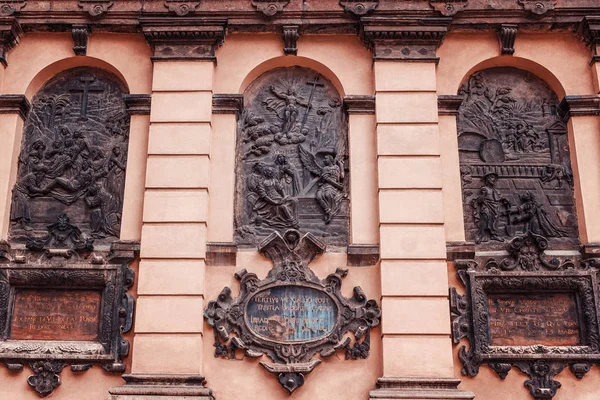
x=405, y=193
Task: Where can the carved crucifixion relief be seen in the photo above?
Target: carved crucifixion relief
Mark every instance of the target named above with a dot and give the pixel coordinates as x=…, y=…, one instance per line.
x=515, y=162
x=71, y=176
x=292, y=170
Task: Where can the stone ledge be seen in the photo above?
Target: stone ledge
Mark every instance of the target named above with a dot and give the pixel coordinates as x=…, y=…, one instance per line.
x=161, y=387
x=221, y=254
x=363, y=255
x=391, y=388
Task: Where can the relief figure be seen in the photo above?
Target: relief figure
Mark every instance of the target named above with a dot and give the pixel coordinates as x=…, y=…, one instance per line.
x=487, y=206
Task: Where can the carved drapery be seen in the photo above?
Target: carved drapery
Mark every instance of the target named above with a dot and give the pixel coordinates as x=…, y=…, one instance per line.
x=292, y=169
x=514, y=160
x=71, y=176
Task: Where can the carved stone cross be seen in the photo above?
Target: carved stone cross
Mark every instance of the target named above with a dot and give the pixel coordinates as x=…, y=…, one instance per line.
x=85, y=92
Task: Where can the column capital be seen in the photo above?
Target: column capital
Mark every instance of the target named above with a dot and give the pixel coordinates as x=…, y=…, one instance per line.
x=589, y=32
x=404, y=40
x=10, y=34
x=176, y=40
x=15, y=104
x=575, y=106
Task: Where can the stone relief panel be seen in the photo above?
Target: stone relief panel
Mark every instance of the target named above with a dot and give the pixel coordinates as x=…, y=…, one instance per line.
x=71, y=174
x=514, y=160
x=292, y=169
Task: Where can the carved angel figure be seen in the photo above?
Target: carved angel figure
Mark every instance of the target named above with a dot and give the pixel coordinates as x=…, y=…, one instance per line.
x=331, y=189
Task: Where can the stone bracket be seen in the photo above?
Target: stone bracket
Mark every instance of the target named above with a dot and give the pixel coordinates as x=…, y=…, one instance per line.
x=290, y=39
x=507, y=33
x=10, y=34
x=81, y=34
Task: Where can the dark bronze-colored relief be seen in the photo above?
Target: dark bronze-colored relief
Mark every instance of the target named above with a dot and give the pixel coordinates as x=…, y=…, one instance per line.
x=62, y=308
x=514, y=160
x=292, y=315
x=71, y=177
x=530, y=310
x=292, y=169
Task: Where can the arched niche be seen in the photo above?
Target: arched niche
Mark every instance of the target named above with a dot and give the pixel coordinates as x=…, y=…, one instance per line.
x=291, y=158
x=514, y=160
x=71, y=172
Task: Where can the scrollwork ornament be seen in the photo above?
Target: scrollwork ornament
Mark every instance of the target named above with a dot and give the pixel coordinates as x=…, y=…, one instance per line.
x=45, y=376
x=182, y=8
x=270, y=7
x=360, y=7
x=257, y=323
x=10, y=7
x=96, y=8
x=449, y=8
x=538, y=7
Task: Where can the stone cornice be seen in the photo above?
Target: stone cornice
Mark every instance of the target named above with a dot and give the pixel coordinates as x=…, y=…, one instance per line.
x=15, y=104
x=138, y=104
x=409, y=40
x=359, y=104
x=10, y=34
x=184, y=39
x=227, y=103
x=575, y=106
x=449, y=104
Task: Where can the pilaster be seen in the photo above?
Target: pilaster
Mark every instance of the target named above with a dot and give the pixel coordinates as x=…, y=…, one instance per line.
x=417, y=351
x=582, y=114
x=13, y=112
x=175, y=217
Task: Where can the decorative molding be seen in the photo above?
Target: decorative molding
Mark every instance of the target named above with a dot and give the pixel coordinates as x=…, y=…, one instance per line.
x=590, y=250
x=403, y=40
x=227, y=103
x=15, y=104
x=576, y=106
x=138, y=104
x=538, y=7
x=270, y=7
x=589, y=32
x=507, y=33
x=448, y=8
x=221, y=254
x=363, y=255
x=360, y=7
x=10, y=34
x=459, y=251
x=81, y=34
x=527, y=268
x=9, y=7
x=96, y=8
x=182, y=8
x=184, y=41
x=389, y=388
x=290, y=40
x=241, y=324
x=103, y=272
x=449, y=104
x=176, y=385
x=359, y=104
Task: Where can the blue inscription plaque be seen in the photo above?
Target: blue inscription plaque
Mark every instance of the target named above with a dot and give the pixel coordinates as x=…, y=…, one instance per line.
x=291, y=314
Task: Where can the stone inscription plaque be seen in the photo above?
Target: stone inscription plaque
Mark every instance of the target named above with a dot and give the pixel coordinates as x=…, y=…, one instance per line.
x=56, y=314
x=550, y=319
x=291, y=314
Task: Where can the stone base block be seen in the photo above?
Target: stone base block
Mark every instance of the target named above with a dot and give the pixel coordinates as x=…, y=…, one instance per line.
x=161, y=387
x=419, y=389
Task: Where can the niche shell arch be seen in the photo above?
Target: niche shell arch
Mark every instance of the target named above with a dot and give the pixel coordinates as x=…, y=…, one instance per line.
x=71, y=173
x=292, y=158
x=514, y=160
